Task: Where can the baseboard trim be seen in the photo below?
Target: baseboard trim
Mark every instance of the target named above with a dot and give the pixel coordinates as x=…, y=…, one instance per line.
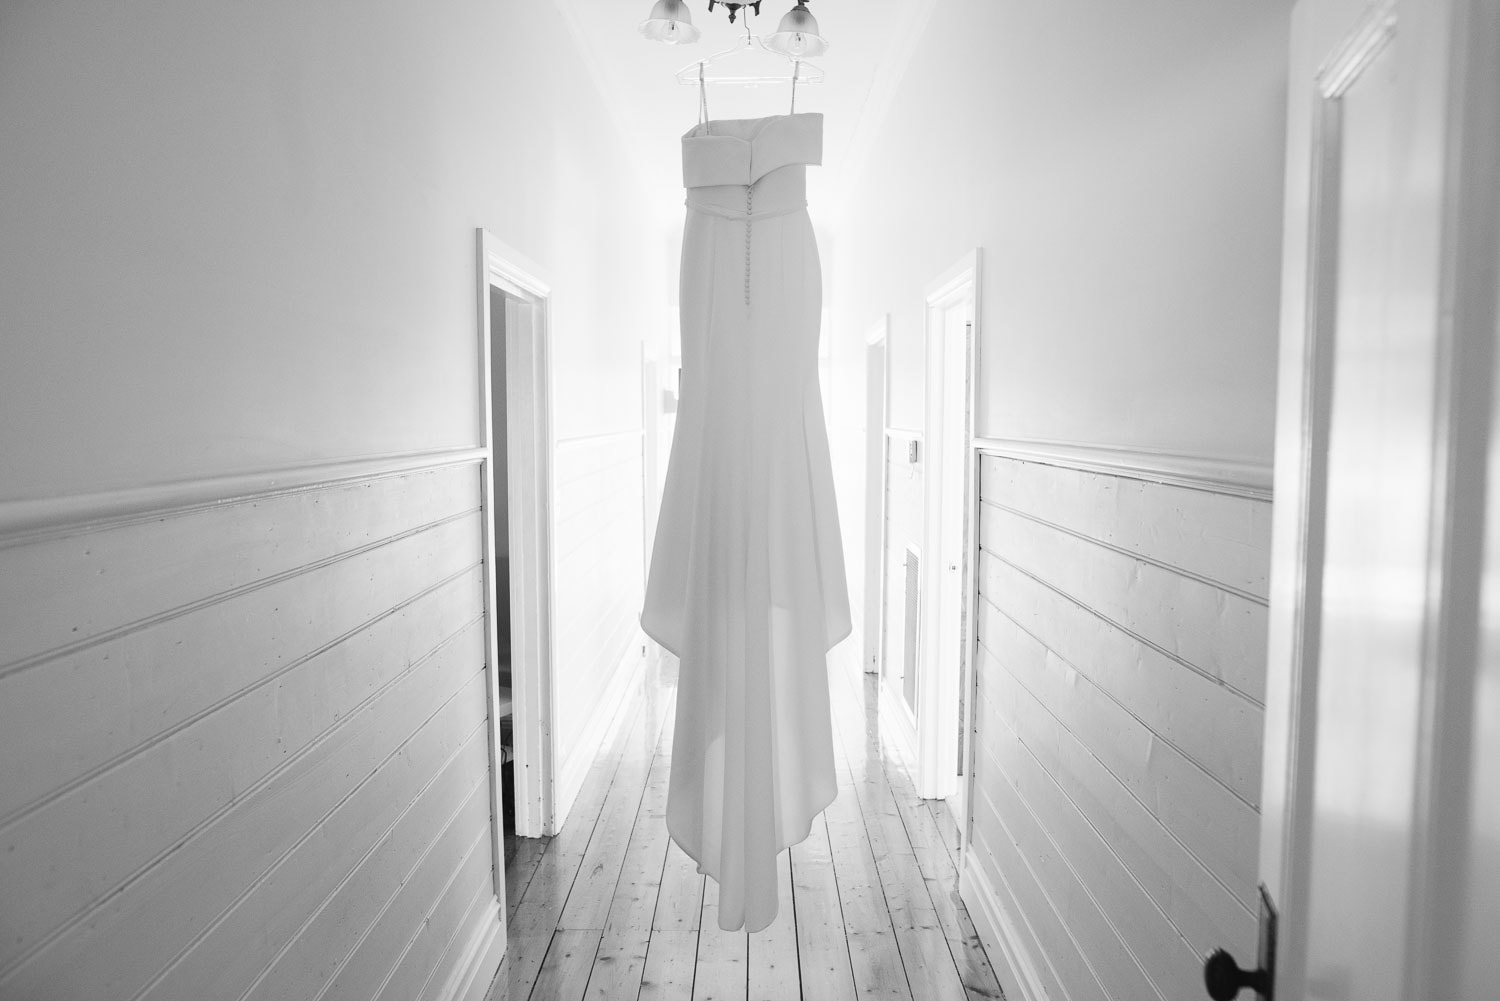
x=1239, y=478
x=1013, y=966
x=607, y=717
x=471, y=978
x=29, y=520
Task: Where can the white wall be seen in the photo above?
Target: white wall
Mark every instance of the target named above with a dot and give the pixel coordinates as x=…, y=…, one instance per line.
x=236, y=239
x=243, y=237
x=1119, y=166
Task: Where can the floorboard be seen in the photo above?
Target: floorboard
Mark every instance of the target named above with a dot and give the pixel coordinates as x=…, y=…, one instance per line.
x=620, y=965
x=721, y=973
x=610, y=908
x=774, y=973
x=827, y=973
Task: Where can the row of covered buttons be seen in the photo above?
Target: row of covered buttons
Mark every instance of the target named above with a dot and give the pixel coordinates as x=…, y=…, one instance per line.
x=749, y=210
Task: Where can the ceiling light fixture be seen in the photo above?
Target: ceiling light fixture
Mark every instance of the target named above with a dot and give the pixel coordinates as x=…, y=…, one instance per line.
x=797, y=35
x=734, y=7
x=669, y=23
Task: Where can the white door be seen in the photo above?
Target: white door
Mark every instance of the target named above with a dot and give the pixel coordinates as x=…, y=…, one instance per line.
x=519, y=385
x=1388, y=322
x=876, y=391
x=940, y=709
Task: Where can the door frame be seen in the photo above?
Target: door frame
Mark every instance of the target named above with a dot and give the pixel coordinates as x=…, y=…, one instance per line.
x=528, y=398
x=1461, y=96
x=876, y=563
x=941, y=691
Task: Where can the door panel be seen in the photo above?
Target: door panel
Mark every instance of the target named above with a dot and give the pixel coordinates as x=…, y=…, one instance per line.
x=1370, y=771
x=1374, y=587
x=949, y=575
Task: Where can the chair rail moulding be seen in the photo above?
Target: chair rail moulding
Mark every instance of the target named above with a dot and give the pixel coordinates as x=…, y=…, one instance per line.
x=1237, y=477
x=28, y=519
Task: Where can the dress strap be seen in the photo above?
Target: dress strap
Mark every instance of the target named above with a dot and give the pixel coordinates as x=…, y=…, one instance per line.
x=703, y=101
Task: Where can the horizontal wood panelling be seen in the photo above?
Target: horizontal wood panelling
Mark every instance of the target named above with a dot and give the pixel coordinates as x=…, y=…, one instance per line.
x=160, y=923
x=599, y=553
x=387, y=942
x=1120, y=667
x=468, y=968
x=417, y=961
x=1200, y=812
x=581, y=487
x=1208, y=629
x=1217, y=537
x=82, y=584
x=234, y=729
x=128, y=694
x=332, y=939
x=1145, y=837
x=1010, y=941
x=1077, y=900
x=110, y=840
x=1209, y=724
x=464, y=937
x=306, y=895
x=1065, y=957
x=1132, y=910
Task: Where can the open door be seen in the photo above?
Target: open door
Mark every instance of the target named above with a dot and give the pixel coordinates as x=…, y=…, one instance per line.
x=947, y=611
x=877, y=402
x=1373, y=850
x=516, y=428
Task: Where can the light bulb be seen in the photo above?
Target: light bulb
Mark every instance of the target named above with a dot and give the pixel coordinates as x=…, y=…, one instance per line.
x=669, y=22
x=797, y=44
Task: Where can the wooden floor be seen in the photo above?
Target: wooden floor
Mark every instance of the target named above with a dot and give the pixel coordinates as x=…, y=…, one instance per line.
x=611, y=908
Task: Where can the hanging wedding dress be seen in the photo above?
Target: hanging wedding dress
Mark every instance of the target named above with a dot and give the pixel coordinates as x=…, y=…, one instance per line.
x=747, y=581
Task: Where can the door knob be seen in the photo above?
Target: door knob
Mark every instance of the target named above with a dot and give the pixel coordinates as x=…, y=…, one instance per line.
x=1224, y=978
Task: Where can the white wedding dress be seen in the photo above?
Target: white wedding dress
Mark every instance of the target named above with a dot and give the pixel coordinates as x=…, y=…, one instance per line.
x=747, y=582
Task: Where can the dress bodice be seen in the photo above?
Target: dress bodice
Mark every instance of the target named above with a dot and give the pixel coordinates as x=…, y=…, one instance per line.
x=741, y=151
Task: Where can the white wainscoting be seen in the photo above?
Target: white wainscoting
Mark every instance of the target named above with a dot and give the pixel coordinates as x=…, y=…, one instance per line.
x=599, y=580
x=1120, y=682
x=244, y=741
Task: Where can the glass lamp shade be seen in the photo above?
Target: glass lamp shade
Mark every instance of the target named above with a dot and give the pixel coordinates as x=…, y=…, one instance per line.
x=670, y=23
x=797, y=35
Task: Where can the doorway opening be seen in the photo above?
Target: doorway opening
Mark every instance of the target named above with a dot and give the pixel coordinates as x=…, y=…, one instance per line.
x=877, y=397
x=499, y=520
x=947, y=613
x=516, y=487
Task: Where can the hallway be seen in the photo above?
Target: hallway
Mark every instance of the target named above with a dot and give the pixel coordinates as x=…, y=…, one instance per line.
x=343, y=360
x=610, y=908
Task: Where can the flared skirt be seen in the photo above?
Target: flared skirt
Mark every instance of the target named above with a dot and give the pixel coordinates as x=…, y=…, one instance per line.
x=747, y=584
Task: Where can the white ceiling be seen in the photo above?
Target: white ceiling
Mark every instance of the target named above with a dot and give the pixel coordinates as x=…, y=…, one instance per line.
x=870, y=44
